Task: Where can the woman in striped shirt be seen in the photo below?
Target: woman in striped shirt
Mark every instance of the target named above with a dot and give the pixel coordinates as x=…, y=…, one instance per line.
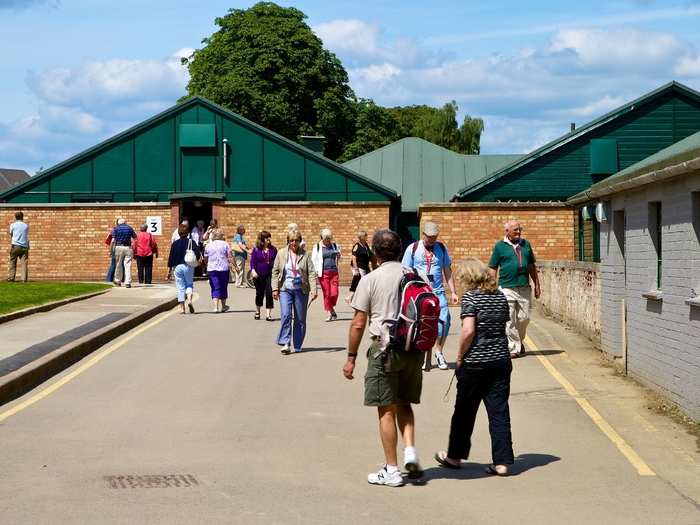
x=483, y=369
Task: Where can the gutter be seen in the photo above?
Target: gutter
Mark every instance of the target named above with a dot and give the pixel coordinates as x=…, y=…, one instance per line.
x=607, y=188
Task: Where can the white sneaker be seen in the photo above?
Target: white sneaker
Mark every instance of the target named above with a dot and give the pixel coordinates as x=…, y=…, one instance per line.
x=382, y=477
x=442, y=362
x=412, y=465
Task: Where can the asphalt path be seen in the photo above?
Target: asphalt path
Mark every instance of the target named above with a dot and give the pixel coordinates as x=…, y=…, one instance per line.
x=199, y=419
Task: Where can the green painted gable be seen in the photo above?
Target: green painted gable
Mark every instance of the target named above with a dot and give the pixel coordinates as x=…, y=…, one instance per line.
x=421, y=171
x=574, y=162
x=181, y=151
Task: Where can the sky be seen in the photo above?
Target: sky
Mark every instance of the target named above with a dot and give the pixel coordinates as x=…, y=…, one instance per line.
x=75, y=72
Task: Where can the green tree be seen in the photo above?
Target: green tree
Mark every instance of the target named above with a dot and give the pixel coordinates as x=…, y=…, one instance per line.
x=375, y=126
x=266, y=64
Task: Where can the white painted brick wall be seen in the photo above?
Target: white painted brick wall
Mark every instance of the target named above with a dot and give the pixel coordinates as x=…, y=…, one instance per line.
x=663, y=337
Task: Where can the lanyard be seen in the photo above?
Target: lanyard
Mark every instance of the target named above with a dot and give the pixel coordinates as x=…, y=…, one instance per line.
x=428, y=255
x=294, y=263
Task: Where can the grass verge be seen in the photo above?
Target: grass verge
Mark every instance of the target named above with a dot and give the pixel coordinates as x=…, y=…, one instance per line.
x=17, y=296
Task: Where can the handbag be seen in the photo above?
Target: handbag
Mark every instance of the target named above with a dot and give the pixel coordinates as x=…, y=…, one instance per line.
x=190, y=256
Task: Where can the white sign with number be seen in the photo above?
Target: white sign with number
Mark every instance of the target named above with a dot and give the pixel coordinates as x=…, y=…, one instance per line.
x=155, y=225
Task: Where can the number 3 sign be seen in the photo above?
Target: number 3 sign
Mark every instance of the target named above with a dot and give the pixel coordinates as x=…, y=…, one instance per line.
x=155, y=225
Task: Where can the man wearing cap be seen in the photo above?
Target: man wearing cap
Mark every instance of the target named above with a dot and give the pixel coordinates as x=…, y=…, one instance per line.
x=514, y=260
x=122, y=238
x=432, y=261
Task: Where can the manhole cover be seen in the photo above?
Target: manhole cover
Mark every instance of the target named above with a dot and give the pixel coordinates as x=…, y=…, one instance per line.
x=152, y=481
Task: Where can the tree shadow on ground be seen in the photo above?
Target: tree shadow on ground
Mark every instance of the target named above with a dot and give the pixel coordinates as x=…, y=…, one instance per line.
x=523, y=463
x=542, y=352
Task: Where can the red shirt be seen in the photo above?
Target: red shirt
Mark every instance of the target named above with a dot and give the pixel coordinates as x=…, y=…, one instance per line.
x=144, y=245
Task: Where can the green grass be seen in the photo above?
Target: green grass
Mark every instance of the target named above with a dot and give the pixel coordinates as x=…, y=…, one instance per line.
x=18, y=295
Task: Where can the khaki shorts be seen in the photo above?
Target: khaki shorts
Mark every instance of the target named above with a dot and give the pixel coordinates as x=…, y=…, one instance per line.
x=393, y=379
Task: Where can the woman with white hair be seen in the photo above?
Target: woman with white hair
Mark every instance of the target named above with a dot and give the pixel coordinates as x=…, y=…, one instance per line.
x=325, y=257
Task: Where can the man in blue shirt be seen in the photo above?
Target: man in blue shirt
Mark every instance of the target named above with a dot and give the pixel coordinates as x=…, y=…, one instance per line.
x=122, y=237
x=432, y=261
x=19, y=248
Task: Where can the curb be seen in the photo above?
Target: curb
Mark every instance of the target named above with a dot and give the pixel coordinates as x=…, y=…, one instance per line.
x=19, y=382
x=48, y=306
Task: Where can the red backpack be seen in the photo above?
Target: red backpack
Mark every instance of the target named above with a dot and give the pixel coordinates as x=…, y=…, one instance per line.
x=416, y=324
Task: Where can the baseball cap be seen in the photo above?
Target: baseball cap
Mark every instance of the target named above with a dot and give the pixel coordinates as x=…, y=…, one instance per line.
x=431, y=229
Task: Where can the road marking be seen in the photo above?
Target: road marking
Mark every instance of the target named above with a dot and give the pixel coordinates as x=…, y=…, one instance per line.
x=75, y=373
x=635, y=460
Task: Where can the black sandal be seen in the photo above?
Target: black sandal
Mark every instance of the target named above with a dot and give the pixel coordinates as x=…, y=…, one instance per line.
x=491, y=469
x=257, y=316
x=268, y=318
x=443, y=461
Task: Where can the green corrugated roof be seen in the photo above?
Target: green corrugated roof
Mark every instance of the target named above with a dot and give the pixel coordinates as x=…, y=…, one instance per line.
x=681, y=151
x=421, y=171
x=587, y=128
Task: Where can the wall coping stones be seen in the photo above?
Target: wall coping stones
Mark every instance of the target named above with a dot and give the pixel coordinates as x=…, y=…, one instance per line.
x=25, y=205
x=310, y=204
x=493, y=205
x=571, y=265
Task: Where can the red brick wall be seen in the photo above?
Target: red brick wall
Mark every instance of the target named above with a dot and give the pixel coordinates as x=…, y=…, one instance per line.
x=471, y=229
x=343, y=219
x=67, y=242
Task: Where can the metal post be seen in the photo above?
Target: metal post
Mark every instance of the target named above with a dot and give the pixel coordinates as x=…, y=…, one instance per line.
x=624, y=334
x=225, y=148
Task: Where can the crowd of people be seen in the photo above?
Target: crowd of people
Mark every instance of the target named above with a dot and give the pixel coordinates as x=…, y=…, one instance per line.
x=494, y=315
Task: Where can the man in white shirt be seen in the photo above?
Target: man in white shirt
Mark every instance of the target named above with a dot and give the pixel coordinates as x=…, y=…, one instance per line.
x=19, y=248
x=175, y=236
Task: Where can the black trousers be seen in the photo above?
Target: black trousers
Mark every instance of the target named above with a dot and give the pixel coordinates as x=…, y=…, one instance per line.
x=263, y=287
x=145, y=269
x=356, y=280
x=489, y=383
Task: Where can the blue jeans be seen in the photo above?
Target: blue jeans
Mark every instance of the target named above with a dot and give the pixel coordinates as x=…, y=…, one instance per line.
x=445, y=317
x=111, y=269
x=292, y=330
x=184, y=277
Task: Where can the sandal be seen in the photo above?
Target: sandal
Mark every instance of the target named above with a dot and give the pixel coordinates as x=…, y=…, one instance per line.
x=441, y=458
x=257, y=316
x=268, y=318
x=491, y=469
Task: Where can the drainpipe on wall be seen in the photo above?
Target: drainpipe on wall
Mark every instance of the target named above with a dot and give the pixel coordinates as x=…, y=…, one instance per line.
x=225, y=148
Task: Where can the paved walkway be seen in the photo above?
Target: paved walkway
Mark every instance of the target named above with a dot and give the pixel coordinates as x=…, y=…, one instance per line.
x=244, y=435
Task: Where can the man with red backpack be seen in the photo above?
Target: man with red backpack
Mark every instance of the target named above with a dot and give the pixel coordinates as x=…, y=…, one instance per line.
x=394, y=378
x=431, y=260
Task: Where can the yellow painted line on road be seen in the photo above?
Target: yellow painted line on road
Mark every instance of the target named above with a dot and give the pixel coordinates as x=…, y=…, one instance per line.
x=82, y=368
x=635, y=460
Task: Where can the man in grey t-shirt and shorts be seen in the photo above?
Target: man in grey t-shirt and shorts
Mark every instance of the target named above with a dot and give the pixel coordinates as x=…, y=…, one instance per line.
x=394, y=377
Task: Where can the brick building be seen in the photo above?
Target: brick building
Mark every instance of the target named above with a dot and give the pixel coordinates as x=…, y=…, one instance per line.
x=650, y=270
x=195, y=160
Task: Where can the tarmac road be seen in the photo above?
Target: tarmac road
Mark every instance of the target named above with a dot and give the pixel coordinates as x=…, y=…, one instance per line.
x=248, y=436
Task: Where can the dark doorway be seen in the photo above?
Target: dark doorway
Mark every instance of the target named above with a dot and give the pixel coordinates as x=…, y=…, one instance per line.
x=196, y=210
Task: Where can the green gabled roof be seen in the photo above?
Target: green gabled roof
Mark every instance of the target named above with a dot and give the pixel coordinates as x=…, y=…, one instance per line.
x=682, y=151
x=182, y=106
x=421, y=171
x=581, y=131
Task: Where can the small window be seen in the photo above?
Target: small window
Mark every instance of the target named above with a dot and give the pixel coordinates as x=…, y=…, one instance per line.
x=603, y=156
x=656, y=238
x=197, y=135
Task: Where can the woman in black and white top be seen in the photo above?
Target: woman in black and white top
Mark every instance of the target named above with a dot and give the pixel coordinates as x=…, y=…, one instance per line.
x=483, y=369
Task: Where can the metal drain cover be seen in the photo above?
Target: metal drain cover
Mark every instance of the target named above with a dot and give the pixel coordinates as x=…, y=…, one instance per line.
x=152, y=481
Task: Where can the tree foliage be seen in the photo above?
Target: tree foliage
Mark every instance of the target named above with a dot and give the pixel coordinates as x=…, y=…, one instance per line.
x=266, y=64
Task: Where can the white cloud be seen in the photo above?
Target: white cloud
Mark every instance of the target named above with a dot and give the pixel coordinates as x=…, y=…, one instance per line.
x=688, y=66
x=350, y=36
x=77, y=108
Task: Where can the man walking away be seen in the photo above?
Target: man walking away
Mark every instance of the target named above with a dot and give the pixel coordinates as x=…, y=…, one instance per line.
x=514, y=260
x=19, y=248
x=122, y=237
x=432, y=261
x=394, y=378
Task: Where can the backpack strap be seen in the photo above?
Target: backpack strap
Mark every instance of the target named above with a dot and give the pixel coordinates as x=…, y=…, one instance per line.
x=414, y=248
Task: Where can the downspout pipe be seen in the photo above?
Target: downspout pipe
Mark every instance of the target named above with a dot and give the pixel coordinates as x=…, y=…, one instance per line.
x=224, y=144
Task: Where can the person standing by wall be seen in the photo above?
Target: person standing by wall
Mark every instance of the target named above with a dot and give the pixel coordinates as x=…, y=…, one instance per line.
x=394, y=379
x=432, y=261
x=483, y=370
x=240, y=254
x=293, y=277
x=183, y=273
x=145, y=248
x=19, y=248
x=217, y=255
x=113, y=261
x=326, y=257
x=514, y=260
x=362, y=257
x=261, y=261
x=122, y=237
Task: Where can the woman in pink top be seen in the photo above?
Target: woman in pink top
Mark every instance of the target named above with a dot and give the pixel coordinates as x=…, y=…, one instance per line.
x=145, y=248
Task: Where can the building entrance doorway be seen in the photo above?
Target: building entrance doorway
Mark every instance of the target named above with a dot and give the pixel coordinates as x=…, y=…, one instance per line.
x=196, y=210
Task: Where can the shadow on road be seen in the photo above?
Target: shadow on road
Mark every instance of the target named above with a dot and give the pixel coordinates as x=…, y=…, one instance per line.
x=523, y=463
x=324, y=349
x=543, y=352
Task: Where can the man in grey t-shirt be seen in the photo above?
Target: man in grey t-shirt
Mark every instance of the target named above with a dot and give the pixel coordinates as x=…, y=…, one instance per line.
x=19, y=248
x=394, y=377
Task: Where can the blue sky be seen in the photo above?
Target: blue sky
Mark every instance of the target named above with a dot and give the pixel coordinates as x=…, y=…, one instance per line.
x=74, y=72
